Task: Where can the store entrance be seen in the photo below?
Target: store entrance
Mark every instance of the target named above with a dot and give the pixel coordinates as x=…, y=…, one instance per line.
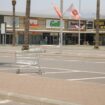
x=6, y=39
x=2, y=39
x=71, y=39
x=51, y=38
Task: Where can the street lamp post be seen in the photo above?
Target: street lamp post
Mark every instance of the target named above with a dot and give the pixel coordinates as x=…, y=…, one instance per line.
x=96, y=46
x=61, y=25
x=26, y=36
x=14, y=35
x=79, y=33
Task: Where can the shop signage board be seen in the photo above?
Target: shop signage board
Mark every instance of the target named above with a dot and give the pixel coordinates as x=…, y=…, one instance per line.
x=73, y=25
x=33, y=23
x=101, y=24
x=54, y=23
x=3, y=32
x=3, y=28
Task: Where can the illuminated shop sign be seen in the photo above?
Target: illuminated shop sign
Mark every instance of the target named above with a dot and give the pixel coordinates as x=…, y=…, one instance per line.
x=54, y=24
x=73, y=25
x=101, y=24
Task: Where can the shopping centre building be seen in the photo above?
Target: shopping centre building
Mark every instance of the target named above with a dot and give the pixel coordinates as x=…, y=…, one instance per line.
x=46, y=30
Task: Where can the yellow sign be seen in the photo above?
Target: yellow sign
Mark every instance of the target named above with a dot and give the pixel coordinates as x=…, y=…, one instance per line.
x=101, y=23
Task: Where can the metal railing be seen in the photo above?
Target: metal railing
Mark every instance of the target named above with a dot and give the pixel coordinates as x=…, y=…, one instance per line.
x=28, y=59
x=21, y=60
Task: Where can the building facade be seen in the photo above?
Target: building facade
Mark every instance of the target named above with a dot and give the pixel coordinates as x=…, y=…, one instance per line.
x=46, y=30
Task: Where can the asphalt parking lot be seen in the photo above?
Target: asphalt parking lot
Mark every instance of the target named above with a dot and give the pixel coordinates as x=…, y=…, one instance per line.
x=70, y=69
x=86, y=71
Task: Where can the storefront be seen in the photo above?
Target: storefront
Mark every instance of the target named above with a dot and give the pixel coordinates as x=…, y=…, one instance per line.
x=47, y=31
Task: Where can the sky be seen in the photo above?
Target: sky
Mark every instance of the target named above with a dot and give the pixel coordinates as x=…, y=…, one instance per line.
x=44, y=7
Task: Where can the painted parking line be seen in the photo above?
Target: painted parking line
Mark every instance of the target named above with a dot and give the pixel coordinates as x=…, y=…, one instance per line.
x=51, y=68
x=4, y=101
x=81, y=79
x=100, y=62
x=63, y=70
x=72, y=60
x=60, y=72
x=66, y=60
x=93, y=72
x=54, y=59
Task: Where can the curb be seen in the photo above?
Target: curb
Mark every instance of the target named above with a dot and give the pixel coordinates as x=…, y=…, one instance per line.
x=31, y=99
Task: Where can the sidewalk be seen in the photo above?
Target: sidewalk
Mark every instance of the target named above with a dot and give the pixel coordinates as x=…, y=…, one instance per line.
x=45, y=91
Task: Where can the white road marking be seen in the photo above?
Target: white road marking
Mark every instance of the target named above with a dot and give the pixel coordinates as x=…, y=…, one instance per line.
x=4, y=101
x=66, y=60
x=5, y=56
x=55, y=68
x=72, y=60
x=25, y=74
x=59, y=72
x=51, y=59
x=99, y=62
x=80, y=79
x=93, y=72
x=63, y=70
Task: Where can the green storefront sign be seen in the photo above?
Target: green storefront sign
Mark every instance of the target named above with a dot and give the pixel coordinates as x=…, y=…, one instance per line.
x=50, y=23
x=55, y=23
